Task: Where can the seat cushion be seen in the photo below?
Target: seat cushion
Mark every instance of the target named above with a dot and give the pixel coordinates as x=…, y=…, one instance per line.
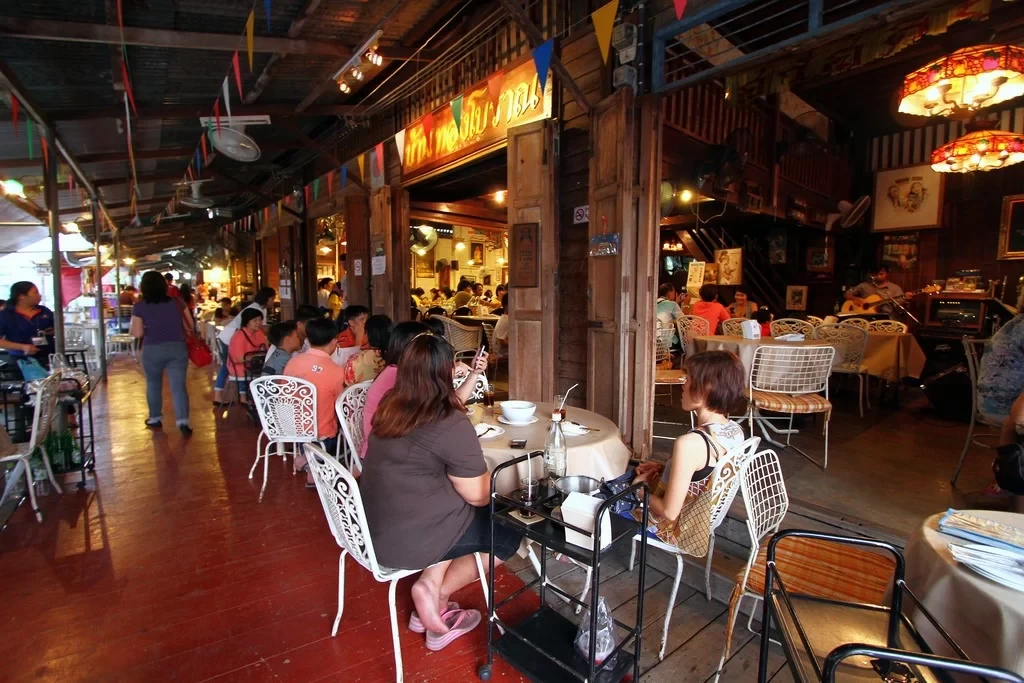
x=791, y=403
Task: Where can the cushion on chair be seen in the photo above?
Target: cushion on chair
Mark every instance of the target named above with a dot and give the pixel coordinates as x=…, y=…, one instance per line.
x=802, y=404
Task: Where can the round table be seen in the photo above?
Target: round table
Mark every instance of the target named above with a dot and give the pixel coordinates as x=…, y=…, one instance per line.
x=475, y=320
x=744, y=348
x=985, y=618
x=599, y=454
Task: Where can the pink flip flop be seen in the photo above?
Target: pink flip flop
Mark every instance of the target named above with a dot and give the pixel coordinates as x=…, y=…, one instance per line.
x=460, y=622
x=416, y=626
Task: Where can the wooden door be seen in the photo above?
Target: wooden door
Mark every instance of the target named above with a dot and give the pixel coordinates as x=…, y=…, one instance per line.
x=533, y=249
x=357, y=258
x=609, y=347
x=380, y=246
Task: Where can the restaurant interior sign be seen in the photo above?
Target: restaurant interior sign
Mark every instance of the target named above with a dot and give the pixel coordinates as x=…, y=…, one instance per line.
x=487, y=110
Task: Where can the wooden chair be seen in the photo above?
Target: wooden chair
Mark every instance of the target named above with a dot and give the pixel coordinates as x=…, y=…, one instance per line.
x=850, y=344
x=894, y=326
x=791, y=326
x=733, y=327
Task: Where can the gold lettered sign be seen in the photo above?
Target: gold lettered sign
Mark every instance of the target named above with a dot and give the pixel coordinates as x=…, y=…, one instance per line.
x=489, y=109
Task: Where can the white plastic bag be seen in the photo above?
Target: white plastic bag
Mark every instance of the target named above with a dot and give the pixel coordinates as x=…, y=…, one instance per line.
x=605, y=634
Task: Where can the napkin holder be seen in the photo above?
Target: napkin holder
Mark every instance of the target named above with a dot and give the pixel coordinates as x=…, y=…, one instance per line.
x=751, y=329
x=581, y=510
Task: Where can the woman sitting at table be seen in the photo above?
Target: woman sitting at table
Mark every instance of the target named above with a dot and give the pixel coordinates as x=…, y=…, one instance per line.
x=367, y=364
x=249, y=339
x=226, y=311
x=714, y=389
x=426, y=490
x=742, y=307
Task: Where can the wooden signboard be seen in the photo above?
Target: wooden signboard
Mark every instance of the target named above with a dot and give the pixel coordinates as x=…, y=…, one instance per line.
x=523, y=243
x=509, y=98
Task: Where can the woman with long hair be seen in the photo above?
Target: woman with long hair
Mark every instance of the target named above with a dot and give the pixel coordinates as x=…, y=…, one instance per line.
x=161, y=323
x=24, y=323
x=368, y=363
x=426, y=488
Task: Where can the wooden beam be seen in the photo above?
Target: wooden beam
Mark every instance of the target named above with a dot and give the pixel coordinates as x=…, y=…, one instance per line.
x=84, y=32
x=190, y=111
x=325, y=153
x=536, y=38
x=161, y=199
x=149, y=178
x=467, y=221
x=259, y=193
x=459, y=209
x=294, y=31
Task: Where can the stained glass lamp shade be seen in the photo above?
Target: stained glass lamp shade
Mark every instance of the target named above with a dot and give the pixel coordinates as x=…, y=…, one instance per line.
x=965, y=81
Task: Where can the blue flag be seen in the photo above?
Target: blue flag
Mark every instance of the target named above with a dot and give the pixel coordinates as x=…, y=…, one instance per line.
x=344, y=176
x=542, y=60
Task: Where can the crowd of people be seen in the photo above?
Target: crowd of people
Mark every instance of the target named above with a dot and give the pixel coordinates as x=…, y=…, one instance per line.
x=671, y=304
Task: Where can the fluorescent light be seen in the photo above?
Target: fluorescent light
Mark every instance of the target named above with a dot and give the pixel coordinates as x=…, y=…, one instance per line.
x=128, y=261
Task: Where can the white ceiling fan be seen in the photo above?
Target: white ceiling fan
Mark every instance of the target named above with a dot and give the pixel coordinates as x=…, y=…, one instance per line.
x=229, y=136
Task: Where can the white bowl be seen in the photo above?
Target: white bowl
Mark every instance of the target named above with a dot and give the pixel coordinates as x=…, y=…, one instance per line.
x=518, y=411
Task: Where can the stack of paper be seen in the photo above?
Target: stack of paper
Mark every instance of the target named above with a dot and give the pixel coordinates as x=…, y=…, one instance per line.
x=996, y=550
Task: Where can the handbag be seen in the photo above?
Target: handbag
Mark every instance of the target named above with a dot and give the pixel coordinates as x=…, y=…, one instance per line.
x=198, y=351
x=1008, y=468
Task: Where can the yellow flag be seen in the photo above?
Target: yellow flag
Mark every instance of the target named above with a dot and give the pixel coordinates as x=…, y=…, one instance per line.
x=250, y=25
x=604, y=22
x=362, y=165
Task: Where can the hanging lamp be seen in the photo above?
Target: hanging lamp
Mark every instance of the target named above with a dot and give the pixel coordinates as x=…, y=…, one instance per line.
x=979, y=150
x=961, y=83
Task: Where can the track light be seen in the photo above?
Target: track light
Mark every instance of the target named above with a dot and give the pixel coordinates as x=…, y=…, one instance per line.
x=344, y=87
x=373, y=57
x=357, y=73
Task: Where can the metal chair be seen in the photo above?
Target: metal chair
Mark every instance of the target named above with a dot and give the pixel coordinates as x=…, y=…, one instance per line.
x=862, y=323
x=495, y=352
x=690, y=326
x=733, y=327
x=971, y=347
x=709, y=502
x=478, y=388
x=663, y=342
x=122, y=343
x=42, y=422
x=343, y=506
x=76, y=338
x=462, y=337
x=894, y=326
x=790, y=379
x=814, y=320
x=766, y=502
x=850, y=344
x=791, y=326
x=287, y=410
x=437, y=310
x=349, y=409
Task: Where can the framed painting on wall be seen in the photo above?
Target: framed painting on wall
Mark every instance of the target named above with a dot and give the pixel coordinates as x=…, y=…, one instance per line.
x=525, y=262
x=476, y=252
x=908, y=198
x=820, y=259
x=425, y=264
x=796, y=298
x=730, y=266
x=1011, y=228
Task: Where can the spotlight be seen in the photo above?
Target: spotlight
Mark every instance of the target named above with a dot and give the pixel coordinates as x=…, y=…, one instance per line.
x=128, y=261
x=500, y=196
x=470, y=262
x=374, y=58
x=685, y=196
x=344, y=87
x=209, y=214
x=71, y=226
x=459, y=246
x=357, y=73
x=325, y=249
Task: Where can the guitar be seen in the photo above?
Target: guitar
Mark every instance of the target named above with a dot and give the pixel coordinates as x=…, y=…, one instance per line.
x=874, y=300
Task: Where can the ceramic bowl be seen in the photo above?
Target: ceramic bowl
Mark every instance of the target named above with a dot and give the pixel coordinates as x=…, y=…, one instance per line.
x=518, y=411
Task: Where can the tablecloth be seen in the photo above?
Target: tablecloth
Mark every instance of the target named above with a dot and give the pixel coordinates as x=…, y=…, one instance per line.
x=744, y=348
x=599, y=454
x=889, y=354
x=985, y=618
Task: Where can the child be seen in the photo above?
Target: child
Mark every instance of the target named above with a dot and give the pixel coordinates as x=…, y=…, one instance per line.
x=764, y=317
x=284, y=341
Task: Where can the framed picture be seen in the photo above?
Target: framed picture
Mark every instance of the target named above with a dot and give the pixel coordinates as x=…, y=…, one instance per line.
x=777, y=245
x=524, y=244
x=711, y=273
x=425, y=264
x=820, y=259
x=796, y=298
x=899, y=252
x=1011, y=228
x=730, y=266
x=476, y=252
x=908, y=198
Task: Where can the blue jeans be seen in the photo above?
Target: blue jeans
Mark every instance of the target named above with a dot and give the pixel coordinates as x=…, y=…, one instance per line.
x=172, y=357
x=222, y=372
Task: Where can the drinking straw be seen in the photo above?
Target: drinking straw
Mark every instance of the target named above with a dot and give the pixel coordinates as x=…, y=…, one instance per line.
x=566, y=395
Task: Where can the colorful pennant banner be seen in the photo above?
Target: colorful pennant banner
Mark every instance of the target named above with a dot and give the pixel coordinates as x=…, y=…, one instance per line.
x=250, y=25
x=344, y=176
x=604, y=22
x=456, y=105
x=542, y=60
x=238, y=74
x=379, y=149
x=227, y=96
x=400, y=144
x=266, y=12
x=14, y=112
x=316, y=189
x=680, y=8
x=362, y=166
x=494, y=84
x=29, y=135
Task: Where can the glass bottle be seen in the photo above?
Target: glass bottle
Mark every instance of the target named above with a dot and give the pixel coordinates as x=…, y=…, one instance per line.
x=554, y=448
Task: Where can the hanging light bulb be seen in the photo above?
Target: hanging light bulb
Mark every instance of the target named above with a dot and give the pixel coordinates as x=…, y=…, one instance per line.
x=344, y=87
x=459, y=246
x=373, y=57
x=357, y=73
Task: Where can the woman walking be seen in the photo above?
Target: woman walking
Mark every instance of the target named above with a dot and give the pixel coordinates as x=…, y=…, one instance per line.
x=161, y=323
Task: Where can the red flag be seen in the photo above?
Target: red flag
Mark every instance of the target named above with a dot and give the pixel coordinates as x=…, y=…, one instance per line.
x=379, y=149
x=680, y=8
x=190, y=175
x=45, y=147
x=202, y=143
x=428, y=126
x=307, y=194
x=238, y=74
x=128, y=86
x=494, y=84
x=14, y=112
x=216, y=113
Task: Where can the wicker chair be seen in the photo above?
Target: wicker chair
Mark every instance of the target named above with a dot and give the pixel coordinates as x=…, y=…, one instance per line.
x=791, y=326
x=461, y=337
x=894, y=326
x=850, y=343
x=861, y=323
x=733, y=327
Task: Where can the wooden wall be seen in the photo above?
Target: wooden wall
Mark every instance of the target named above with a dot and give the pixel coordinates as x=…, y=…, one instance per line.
x=582, y=58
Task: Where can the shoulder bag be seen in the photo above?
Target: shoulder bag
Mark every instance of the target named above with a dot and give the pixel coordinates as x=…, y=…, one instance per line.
x=198, y=351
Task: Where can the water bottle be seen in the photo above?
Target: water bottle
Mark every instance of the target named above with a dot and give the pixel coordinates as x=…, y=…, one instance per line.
x=554, y=448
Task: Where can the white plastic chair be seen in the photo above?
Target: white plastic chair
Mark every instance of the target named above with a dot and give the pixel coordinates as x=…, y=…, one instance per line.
x=707, y=503
x=790, y=379
x=850, y=343
x=894, y=326
x=663, y=342
x=791, y=326
x=42, y=421
x=971, y=347
x=733, y=327
x=689, y=326
x=287, y=410
x=343, y=506
x=814, y=320
x=349, y=408
x=862, y=323
x=766, y=502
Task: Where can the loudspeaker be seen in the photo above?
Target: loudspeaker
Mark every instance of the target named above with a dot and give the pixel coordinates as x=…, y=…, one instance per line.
x=945, y=379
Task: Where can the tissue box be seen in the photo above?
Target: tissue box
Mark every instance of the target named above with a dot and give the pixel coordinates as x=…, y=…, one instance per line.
x=751, y=329
x=580, y=510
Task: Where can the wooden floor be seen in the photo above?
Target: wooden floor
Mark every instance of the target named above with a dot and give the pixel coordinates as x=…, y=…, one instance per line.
x=167, y=568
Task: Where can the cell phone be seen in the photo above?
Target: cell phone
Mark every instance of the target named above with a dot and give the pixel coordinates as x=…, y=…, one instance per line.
x=517, y=443
x=479, y=352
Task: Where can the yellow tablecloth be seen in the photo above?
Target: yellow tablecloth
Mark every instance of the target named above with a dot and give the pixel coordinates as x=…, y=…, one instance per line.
x=891, y=355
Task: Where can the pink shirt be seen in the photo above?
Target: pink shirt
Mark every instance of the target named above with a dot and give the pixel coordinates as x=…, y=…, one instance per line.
x=317, y=368
x=384, y=383
x=713, y=312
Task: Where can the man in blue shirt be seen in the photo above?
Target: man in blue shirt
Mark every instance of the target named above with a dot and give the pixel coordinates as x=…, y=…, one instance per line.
x=23, y=321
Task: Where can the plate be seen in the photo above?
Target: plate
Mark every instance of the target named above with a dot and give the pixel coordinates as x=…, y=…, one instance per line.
x=495, y=431
x=502, y=420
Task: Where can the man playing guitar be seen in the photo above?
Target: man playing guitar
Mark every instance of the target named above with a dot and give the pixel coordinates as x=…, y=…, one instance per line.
x=877, y=283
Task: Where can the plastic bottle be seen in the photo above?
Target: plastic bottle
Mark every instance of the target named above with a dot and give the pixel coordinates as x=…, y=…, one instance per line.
x=554, y=448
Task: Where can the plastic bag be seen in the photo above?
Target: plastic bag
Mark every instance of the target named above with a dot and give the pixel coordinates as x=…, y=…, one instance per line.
x=605, y=634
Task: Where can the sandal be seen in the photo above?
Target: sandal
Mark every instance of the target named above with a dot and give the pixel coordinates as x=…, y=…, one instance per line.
x=416, y=626
x=460, y=623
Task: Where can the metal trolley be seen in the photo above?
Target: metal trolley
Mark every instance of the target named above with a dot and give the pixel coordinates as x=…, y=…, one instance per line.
x=541, y=646
x=828, y=640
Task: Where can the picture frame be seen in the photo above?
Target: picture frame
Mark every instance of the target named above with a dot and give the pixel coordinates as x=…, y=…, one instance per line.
x=907, y=198
x=524, y=252
x=1011, y=229
x=777, y=247
x=477, y=253
x=730, y=266
x=820, y=259
x=900, y=252
x=796, y=297
x=425, y=264
x=711, y=273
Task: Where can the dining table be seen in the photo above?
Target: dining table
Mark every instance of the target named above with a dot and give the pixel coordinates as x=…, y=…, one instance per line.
x=475, y=320
x=744, y=348
x=983, y=617
x=600, y=453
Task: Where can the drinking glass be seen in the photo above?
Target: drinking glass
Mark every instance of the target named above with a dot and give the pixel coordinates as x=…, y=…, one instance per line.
x=528, y=494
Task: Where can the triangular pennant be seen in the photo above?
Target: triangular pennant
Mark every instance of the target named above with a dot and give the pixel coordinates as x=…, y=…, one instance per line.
x=45, y=148
x=199, y=164
x=542, y=60
x=31, y=143
x=128, y=86
x=227, y=96
x=190, y=174
x=680, y=8
x=202, y=145
x=14, y=112
x=428, y=126
x=306, y=190
x=604, y=21
x=400, y=145
x=158, y=217
x=456, y=106
x=216, y=113
x=238, y=74
x=344, y=176
x=266, y=213
x=330, y=183
x=379, y=149
x=120, y=15
x=494, y=84
x=362, y=167
x=316, y=189
x=250, y=26
x=266, y=11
